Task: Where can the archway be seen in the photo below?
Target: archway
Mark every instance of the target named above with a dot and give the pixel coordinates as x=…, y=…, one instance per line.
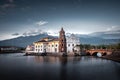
x=104, y=54
x=94, y=54
x=88, y=53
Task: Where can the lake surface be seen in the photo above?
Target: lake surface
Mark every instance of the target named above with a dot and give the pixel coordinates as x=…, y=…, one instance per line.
x=19, y=67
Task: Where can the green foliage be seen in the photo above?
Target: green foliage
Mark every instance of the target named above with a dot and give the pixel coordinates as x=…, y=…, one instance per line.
x=102, y=46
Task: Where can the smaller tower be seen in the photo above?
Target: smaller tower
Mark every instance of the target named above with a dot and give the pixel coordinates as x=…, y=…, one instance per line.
x=62, y=41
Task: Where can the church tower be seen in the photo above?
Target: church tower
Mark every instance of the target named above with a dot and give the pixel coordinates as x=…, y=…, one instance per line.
x=62, y=41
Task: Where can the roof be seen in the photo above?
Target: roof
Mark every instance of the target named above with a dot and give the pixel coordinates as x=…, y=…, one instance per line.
x=40, y=41
x=55, y=39
x=49, y=37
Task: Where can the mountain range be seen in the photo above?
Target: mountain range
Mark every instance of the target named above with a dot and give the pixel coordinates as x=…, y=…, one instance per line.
x=93, y=38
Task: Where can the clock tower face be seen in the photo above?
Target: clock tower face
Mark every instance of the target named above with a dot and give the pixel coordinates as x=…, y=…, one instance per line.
x=62, y=41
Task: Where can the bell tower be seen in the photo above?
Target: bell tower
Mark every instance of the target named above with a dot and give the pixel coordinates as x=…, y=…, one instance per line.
x=62, y=41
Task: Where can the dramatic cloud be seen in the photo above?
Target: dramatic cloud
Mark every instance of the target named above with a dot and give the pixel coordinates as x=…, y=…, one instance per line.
x=11, y=1
x=4, y=6
x=41, y=23
x=52, y=33
x=33, y=32
x=9, y=4
x=113, y=28
x=15, y=34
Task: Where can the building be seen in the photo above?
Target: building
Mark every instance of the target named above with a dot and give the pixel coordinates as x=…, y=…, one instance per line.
x=72, y=41
x=29, y=49
x=62, y=41
x=56, y=45
x=50, y=45
x=9, y=49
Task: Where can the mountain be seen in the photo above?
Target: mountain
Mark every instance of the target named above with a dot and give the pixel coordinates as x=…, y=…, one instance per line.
x=97, y=41
x=107, y=34
x=22, y=41
x=95, y=38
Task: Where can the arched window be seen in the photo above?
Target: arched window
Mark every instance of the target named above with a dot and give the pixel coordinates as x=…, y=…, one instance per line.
x=56, y=45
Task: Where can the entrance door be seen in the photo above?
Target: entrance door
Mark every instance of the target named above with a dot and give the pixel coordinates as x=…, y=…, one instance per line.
x=55, y=49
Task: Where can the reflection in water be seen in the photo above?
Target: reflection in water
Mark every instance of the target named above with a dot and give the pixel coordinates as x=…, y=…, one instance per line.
x=62, y=60
x=63, y=69
x=16, y=66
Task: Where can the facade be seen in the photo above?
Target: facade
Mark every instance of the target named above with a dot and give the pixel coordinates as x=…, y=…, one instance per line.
x=72, y=41
x=29, y=49
x=47, y=45
x=56, y=45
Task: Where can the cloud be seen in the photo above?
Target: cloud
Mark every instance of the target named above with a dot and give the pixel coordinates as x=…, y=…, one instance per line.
x=41, y=23
x=7, y=5
x=33, y=32
x=113, y=30
x=11, y=1
x=15, y=34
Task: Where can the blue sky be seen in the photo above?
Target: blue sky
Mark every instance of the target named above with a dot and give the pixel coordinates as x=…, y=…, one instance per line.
x=24, y=17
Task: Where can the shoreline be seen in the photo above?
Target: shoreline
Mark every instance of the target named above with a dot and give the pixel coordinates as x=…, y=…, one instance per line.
x=116, y=59
x=115, y=56
x=51, y=54
x=111, y=58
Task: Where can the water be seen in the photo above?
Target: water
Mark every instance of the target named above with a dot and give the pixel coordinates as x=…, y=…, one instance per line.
x=19, y=67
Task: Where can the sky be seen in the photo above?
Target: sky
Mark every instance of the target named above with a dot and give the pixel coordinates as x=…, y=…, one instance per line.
x=24, y=17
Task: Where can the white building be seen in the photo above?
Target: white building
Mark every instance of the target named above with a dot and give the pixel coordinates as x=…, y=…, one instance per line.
x=72, y=41
x=29, y=49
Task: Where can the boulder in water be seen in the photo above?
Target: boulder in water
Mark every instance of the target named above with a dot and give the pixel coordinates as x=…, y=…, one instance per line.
x=99, y=54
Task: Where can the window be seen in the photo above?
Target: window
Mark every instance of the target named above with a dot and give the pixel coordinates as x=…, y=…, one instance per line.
x=68, y=45
x=45, y=46
x=72, y=44
x=55, y=49
x=56, y=45
x=52, y=45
